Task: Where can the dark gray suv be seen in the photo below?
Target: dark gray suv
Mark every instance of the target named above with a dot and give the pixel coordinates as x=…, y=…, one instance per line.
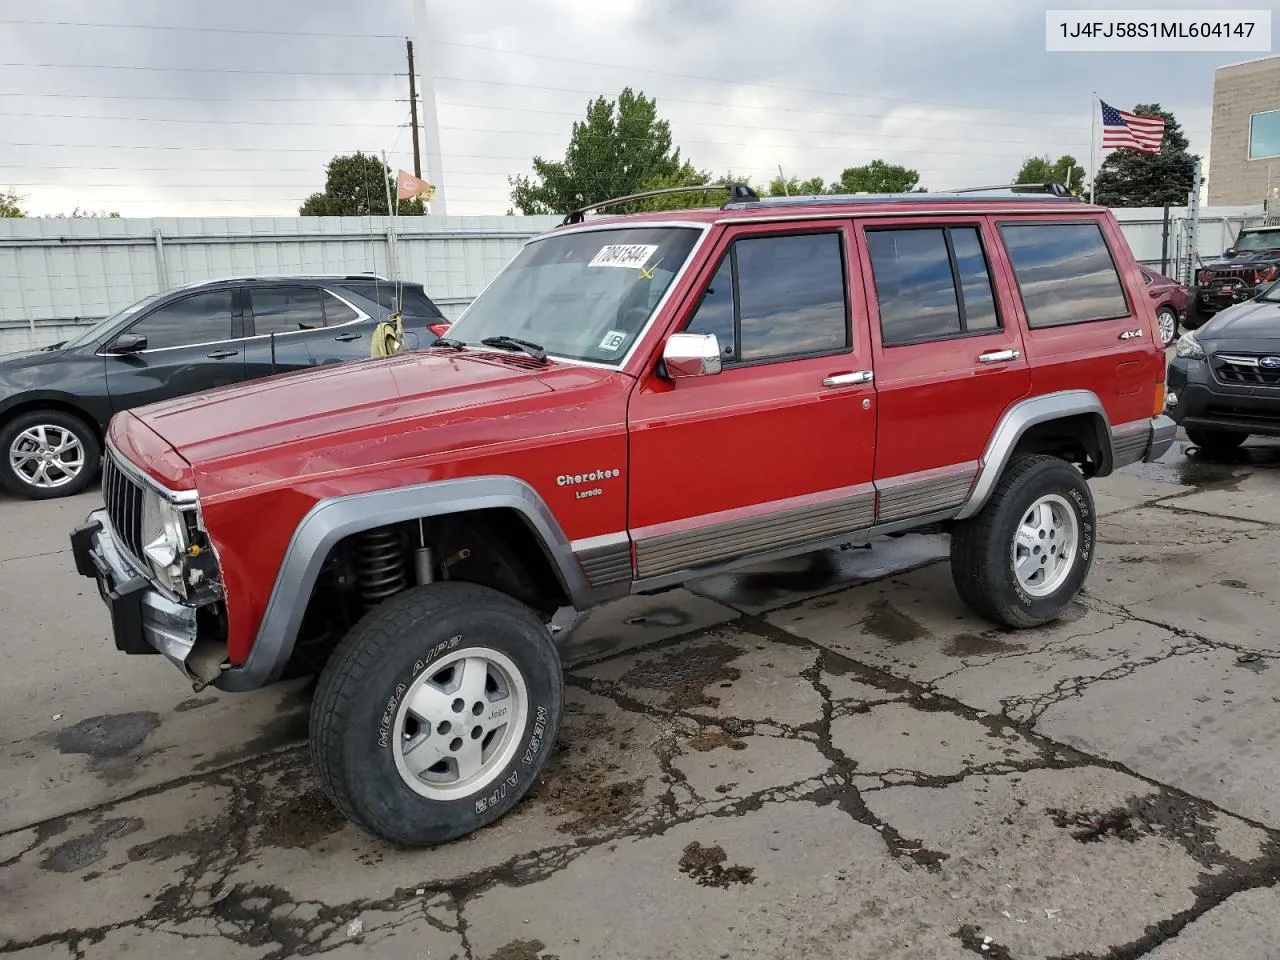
x=55, y=402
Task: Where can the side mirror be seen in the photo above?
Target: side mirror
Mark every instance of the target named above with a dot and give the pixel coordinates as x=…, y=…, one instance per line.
x=691, y=355
x=127, y=343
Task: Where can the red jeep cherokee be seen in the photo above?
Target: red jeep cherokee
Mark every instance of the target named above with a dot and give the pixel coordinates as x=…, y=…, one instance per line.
x=633, y=402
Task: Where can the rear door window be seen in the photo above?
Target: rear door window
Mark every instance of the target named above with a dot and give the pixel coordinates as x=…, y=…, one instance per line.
x=285, y=309
x=1065, y=273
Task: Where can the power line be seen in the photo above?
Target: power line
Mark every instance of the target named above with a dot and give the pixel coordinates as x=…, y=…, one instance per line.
x=737, y=83
x=95, y=96
x=153, y=26
x=256, y=123
x=117, y=66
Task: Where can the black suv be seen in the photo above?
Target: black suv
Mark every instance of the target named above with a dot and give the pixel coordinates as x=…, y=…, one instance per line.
x=1223, y=383
x=1252, y=262
x=55, y=402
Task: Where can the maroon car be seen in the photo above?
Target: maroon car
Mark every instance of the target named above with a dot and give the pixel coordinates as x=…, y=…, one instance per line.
x=1171, y=299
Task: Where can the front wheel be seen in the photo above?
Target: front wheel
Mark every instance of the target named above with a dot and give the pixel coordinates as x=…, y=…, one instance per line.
x=1167, y=325
x=1023, y=557
x=436, y=713
x=1216, y=442
x=46, y=454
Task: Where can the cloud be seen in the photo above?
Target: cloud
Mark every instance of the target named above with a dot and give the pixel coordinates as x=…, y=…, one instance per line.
x=961, y=92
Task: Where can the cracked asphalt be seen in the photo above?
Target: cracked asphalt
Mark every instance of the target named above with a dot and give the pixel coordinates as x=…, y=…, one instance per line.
x=824, y=757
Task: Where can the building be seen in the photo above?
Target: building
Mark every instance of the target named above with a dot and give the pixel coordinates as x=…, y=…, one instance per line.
x=1244, y=152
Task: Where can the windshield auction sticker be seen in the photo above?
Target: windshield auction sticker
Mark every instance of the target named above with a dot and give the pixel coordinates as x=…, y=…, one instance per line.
x=634, y=255
x=1198, y=31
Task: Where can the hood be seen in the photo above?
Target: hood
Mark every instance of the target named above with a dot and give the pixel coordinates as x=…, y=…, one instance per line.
x=1250, y=327
x=1248, y=258
x=14, y=361
x=343, y=400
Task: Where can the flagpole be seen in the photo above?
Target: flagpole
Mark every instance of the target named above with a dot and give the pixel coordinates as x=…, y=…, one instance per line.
x=1093, y=150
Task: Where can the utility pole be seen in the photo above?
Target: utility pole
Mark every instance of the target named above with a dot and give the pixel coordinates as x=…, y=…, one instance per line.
x=413, y=109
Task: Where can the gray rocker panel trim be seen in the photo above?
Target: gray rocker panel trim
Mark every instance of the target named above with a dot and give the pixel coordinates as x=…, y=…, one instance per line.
x=605, y=559
x=924, y=493
x=1129, y=442
x=332, y=519
x=1016, y=421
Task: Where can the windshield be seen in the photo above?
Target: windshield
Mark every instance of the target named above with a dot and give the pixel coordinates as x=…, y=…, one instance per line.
x=99, y=328
x=1261, y=240
x=1271, y=294
x=585, y=296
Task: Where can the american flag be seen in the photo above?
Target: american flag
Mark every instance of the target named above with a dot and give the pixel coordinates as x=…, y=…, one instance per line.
x=1122, y=129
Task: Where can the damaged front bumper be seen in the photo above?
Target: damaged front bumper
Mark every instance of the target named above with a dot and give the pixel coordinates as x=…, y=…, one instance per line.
x=143, y=619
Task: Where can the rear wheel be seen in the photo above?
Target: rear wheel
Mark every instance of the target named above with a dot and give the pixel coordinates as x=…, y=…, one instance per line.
x=1024, y=556
x=46, y=454
x=436, y=713
x=1216, y=442
x=1167, y=325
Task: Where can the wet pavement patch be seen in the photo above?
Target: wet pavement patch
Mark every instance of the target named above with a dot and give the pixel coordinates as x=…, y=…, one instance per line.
x=107, y=737
x=686, y=672
x=302, y=821
x=706, y=866
x=660, y=617
x=194, y=703
x=887, y=622
x=583, y=791
x=282, y=730
x=978, y=645
x=76, y=854
x=521, y=950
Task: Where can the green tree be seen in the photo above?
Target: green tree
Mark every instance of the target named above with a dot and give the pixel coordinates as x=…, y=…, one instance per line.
x=1064, y=170
x=622, y=147
x=877, y=177
x=1129, y=178
x=355, y=185
x=10, y=202
x=794, y=187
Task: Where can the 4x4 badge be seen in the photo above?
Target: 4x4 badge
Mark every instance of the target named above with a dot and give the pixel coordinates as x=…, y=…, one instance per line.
x=1271, y=363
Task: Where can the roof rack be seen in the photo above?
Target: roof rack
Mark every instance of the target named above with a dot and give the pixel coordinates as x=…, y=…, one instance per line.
x=738, y=193
x=1053, y=189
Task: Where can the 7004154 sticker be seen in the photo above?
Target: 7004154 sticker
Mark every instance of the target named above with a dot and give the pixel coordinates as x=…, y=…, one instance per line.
x=634, y=255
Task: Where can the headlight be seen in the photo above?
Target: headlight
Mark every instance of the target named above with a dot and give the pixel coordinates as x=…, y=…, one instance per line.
x=1189, y=348
x=164, y=539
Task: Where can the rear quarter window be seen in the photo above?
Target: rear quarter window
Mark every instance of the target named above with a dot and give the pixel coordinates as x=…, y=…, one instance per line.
x=1065, y=273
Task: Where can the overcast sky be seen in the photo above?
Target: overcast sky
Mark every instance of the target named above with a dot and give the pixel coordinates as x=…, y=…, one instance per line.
x=217, y=122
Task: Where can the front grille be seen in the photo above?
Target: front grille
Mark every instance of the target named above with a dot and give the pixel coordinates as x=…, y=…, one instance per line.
x=1260, y=416
x=1244, y=370
x=123, y=496
x=1246, y=275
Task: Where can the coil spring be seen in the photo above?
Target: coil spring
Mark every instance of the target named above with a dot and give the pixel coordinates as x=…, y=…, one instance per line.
x=380, y=565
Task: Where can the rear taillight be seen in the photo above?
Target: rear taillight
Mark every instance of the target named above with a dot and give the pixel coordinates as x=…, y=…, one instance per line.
x=439, y=329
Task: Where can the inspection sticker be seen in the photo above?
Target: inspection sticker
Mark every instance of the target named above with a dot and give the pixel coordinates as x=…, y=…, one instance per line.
x=624, y=255
x=613, y=340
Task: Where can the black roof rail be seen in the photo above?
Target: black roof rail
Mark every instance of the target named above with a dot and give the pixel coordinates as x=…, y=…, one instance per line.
x=738, y=193
x=1053, y=189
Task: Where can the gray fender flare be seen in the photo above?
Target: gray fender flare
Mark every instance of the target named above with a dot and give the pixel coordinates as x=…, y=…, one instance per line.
x=1016, y=421
x=334, y=518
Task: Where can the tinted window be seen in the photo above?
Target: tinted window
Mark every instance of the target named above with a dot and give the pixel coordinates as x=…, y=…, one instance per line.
x=336, y=312
x=286, y=309
x=715, y=312
x=790, y=298
x=199, y=318
x=1264, y=135
x=914, y=285
x=978, y=303
x=1065, y=273
x=416, y=302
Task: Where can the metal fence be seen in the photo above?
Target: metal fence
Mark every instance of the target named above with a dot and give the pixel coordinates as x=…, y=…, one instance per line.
x=59, y=275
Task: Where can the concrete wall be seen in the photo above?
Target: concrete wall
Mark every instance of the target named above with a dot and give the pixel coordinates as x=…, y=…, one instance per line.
x=56, y=276
x=1239, y=91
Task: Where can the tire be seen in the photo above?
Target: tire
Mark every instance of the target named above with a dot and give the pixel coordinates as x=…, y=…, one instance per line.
x=1196, y=317
x=65, y=440
x=983, y=546
x=1219, y=442
x=406, y=652
x=1167, y=319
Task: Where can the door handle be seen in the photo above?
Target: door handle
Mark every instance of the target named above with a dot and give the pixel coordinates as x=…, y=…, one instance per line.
x=222, y=354
x=999, y=356
x=347, y=337
x=845, y=379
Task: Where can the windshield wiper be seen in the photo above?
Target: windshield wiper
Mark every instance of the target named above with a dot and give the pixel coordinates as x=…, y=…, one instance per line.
x=534, y=350
x=447, y=342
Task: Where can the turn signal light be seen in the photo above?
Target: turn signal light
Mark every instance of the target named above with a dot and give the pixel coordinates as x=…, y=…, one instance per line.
x=1159, y=404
